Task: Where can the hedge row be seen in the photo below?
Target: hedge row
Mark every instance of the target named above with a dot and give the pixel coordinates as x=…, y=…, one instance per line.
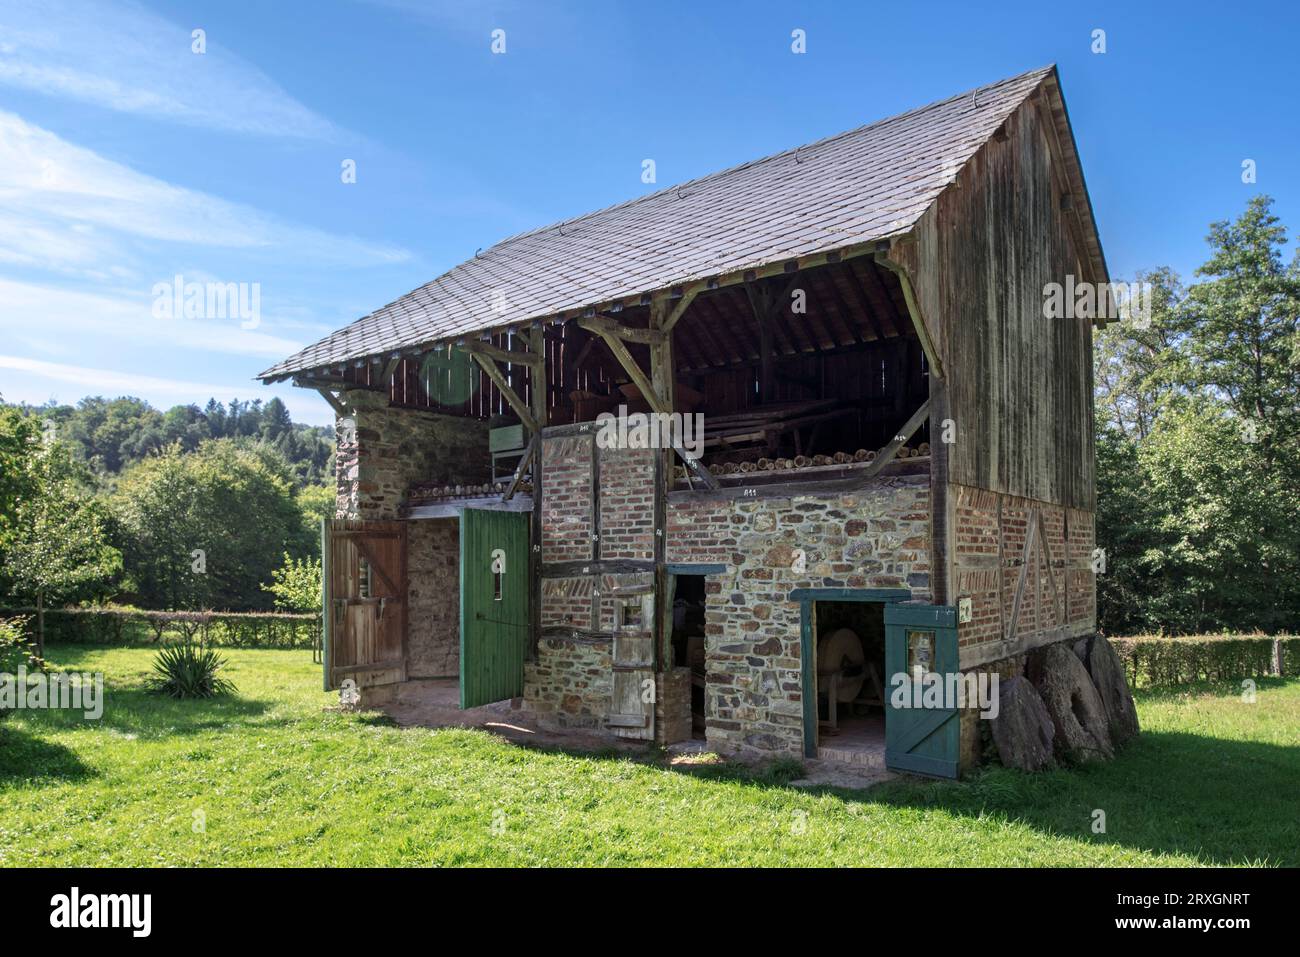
x=1157, y=661
x=131, y=626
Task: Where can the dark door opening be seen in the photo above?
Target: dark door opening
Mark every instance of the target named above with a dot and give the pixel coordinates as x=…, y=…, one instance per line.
x=688, y=642
x=852, y=689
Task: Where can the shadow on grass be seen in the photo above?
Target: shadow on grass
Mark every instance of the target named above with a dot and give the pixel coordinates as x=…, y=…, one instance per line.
x=141, y=713
x=1218, y=800
x=26, y=758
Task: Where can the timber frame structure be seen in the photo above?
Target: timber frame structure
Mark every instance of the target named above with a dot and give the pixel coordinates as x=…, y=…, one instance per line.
x=886, y=413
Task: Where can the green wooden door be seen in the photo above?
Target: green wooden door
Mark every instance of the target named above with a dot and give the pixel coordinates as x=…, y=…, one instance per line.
x=494, y=588
x=920, y=650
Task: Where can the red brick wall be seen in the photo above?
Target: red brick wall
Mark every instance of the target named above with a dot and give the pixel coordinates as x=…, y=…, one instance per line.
x=989, y=560
x=627, y=504
x=566, y=499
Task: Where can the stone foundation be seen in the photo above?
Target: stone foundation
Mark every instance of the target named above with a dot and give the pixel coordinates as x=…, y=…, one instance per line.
x=570, y=683
x=877, y=538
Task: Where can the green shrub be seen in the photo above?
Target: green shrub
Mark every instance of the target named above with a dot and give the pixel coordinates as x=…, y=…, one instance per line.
x=122, y=625
x=1159, y=661
x=296, y=584
x=16, y=650
x=188, y=670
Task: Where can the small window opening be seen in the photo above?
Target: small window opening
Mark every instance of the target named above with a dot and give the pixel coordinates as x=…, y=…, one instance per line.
x=365, y=578
x=496, y=585
x=631, y=615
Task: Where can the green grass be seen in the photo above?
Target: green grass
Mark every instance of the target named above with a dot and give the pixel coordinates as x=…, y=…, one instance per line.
x=281, y=781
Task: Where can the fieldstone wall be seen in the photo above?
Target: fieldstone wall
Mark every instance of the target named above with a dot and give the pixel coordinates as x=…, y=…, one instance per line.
x=571, y=683
x=877, y=538
x=433, y=595
x=388, y=448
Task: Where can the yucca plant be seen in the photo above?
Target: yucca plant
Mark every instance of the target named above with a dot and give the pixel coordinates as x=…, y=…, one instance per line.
x=188, y=670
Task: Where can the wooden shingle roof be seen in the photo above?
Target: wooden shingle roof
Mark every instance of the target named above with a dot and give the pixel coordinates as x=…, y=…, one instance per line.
x=868, y=184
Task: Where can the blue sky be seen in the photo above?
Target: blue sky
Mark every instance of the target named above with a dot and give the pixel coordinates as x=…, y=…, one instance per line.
x=126, y=158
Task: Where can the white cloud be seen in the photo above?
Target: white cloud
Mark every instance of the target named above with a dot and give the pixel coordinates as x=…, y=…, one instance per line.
x=71, y=319
x=57, y=195
x=125, y=58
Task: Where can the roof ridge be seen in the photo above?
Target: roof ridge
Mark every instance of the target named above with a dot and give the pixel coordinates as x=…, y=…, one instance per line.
x=676, y=187
x=527, y=257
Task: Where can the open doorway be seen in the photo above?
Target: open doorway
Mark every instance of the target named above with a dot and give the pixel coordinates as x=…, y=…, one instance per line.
x=851, y=683
x=433, y=637
x=688, y=643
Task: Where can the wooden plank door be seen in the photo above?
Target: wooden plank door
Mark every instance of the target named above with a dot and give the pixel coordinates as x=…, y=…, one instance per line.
x=632, y=708
x=494, y=603
x=364, y=601
x=920, y=640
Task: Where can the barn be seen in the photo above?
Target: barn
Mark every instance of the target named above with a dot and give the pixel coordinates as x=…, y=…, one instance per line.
x=883, y=458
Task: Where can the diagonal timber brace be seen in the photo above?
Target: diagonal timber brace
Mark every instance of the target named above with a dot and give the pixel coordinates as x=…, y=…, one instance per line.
x=517, y=404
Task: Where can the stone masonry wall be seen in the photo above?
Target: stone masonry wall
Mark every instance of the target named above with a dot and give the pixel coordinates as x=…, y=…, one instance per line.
x=877, y=538
x=433, y=594
x=571, y=683
x=390, y=448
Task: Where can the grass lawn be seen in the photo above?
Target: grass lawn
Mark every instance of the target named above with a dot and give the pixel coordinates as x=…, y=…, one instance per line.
x=280, y=781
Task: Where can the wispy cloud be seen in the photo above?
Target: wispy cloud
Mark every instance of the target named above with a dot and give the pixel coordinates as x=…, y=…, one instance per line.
x=123, y=57
x=59, y=199
x=111, y=382
x=62, y=320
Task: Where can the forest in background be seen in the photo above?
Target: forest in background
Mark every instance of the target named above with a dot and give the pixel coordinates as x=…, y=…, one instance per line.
x=192, y=508
x=1198, y=469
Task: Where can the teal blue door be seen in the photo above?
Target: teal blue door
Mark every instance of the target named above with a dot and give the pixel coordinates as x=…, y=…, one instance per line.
x=920, y=651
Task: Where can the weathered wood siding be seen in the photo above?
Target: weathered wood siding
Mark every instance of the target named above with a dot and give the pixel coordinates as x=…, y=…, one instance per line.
x=1019, y=385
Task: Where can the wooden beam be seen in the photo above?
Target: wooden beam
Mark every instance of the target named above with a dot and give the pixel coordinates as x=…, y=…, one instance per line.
x=519, y=469
x=529, y=359
x=679, y=309
x=338, y=407
x=886, y=455
x=605, y=326
x=509, y=394
x=537, y=376
x=632, y=368
x=914, y=311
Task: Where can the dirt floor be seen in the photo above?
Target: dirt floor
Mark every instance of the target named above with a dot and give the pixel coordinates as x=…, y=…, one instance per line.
x=435, y=703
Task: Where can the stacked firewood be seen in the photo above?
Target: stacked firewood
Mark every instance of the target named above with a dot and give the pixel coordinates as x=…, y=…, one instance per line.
x=423, y=493
x=735, y=465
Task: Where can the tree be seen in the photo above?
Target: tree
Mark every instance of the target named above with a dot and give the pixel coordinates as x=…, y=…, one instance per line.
x=1225, y=553
x=296, y=584
x=205, y=530
x=20, y=436
x=316, y=502
x=58, y=549
x=1242, y=327
x=1198, y=444
x=1134, y=363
